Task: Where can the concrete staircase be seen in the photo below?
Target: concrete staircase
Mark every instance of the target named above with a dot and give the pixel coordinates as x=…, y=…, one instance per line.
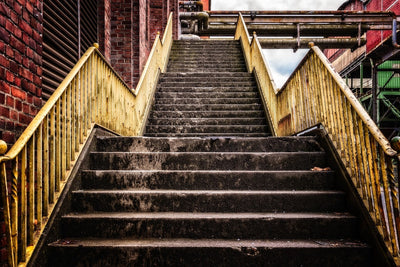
x=206, y=187
x=207, y=92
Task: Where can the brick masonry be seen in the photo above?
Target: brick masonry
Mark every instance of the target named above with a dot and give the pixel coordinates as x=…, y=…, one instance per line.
x=21, y=30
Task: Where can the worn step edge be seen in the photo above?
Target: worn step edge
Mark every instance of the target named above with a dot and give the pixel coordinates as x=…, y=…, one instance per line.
x=207, y=180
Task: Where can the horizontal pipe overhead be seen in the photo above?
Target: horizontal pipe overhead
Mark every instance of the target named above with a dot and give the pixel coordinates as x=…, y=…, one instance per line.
x=288, y=30
x=282, y=43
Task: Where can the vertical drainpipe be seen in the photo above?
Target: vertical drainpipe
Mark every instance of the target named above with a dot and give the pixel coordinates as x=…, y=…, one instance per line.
x=361, y=78
x=374, y=91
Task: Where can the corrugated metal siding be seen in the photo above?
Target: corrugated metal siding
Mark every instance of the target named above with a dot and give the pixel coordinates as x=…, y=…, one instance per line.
x=385, y=77
x=65, y=37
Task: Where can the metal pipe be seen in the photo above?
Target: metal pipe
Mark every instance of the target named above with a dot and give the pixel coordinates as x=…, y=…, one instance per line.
x=374, y=91
x=325, y=30
x=394, y=33
x=277, y=43
x=201, y=17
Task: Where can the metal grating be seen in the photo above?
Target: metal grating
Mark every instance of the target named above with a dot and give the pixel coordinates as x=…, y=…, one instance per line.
x=70, y=27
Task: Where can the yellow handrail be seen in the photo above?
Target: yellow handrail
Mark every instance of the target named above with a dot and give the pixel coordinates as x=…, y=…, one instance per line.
x=39, y=163
x=316, y=95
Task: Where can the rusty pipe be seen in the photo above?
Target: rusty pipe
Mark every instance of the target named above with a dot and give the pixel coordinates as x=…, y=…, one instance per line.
x=201, y=17
x=281, y=43
x=394, y=33
x=288, y=30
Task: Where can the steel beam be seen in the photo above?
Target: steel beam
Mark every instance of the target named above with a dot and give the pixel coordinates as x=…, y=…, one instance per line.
x=281, y=43
x=288, y=30
x=337, y=17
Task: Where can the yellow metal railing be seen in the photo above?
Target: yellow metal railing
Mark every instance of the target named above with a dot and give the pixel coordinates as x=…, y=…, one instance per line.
x=315, y=94
x=39, y=163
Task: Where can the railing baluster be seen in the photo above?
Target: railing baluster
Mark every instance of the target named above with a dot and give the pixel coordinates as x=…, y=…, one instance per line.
x=24, y=208
x=387, y=200
x=373, y=178
x=39, y=177
x=31, y=190
x=14, y=207
x=45, y=167
x=58, y=143
x=52, y=156
x=64, y=136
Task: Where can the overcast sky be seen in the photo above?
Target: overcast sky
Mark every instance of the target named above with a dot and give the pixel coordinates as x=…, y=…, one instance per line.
x=281, y=62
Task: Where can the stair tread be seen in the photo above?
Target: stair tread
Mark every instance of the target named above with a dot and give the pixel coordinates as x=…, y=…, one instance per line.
x=210, y=171
x=217, y=243
x=206, y=215
x=213, y=192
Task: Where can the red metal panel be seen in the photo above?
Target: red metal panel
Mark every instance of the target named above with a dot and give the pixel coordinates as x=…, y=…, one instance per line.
x=206, y=5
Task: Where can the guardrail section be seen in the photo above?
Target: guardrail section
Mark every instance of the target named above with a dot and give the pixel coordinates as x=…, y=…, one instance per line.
x=315, y=94
x=39, y=163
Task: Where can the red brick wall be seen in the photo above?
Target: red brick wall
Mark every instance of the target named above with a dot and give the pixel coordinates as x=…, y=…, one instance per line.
x=21, y=32
x=104, y=28
x=122, y=38
x=20, y=65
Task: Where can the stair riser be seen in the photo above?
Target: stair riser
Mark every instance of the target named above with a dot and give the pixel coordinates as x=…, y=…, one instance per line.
x=215, y=95
x=275, y=144
x=208, y=79
x=206, y=75
x=207, y=90
x=206, y=70
x=209, y=107
x=192, y=180
x=210, y=256
x=202, y=202
x=210, y=228
x=203, y=122
x=208, y=84
x=229, y=135
x=206, y=161
x=208, y=65
x=207, y=114
x=207, y=129
x=207, y=101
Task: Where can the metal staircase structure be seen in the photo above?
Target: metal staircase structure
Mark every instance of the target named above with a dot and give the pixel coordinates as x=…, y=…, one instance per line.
x=47, y=156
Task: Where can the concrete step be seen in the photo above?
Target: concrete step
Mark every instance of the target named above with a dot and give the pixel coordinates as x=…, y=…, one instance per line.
x=230, y=135
x=263, y=128
x=209, y=107
x=206, y=83
x=206, y=160
x=208, y=180
x=150, y=144
x=211, y=65
x=206, y=101
x=207, y=114
x=205, y=75
x=203, y=69
x=225, y=91
x=207, y=201
x=194, y=78
x=207, y=121
x=209, y=252
x=214, y=59
x=209, y=225
x=214, y=92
